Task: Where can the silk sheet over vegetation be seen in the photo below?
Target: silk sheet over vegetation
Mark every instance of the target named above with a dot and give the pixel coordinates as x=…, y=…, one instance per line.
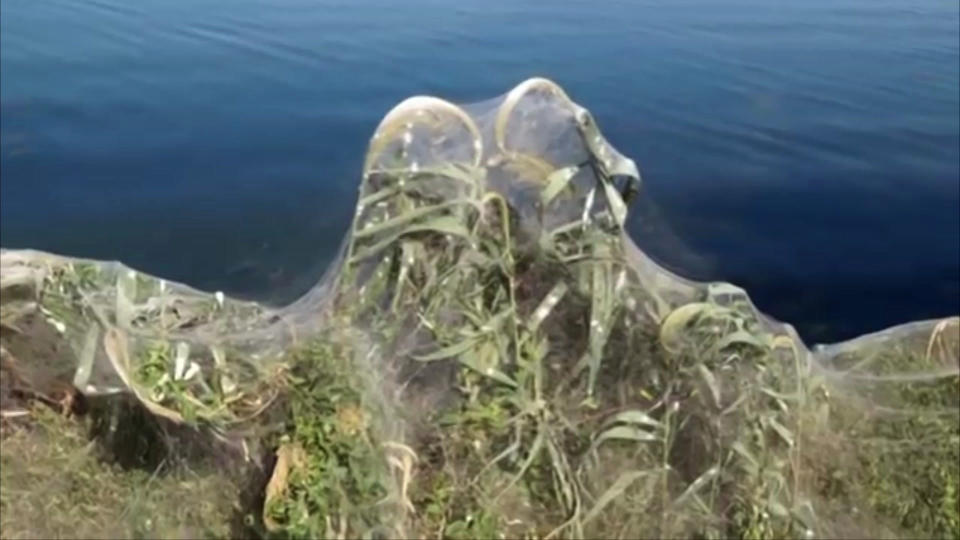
x=490, y=356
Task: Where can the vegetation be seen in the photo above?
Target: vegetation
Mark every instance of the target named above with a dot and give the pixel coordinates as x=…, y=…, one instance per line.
x=58, y=483
x=478, y=368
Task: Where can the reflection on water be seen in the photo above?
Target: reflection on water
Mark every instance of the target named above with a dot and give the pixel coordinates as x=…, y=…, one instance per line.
x=807, y=150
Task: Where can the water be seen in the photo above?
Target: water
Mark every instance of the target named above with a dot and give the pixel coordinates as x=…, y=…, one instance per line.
x=808, y=151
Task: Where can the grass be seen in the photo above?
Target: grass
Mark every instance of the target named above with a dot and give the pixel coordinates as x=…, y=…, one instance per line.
x=488, y=368
x=57, y=483
x=896, y=448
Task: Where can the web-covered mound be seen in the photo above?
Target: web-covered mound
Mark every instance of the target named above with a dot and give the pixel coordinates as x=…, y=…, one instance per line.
x=487, y=286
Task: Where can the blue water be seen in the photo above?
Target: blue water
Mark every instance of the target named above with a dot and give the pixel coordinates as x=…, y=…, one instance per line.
x=808, y=150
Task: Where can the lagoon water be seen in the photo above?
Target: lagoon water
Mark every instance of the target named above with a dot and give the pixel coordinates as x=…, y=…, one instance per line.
x=808, y=151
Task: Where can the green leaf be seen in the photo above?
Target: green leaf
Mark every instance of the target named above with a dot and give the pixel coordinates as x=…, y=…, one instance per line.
x=711, y=382
x=781, y=430
x=741, y=337
x=633, y=417
x=408, y=256
x=448, y=352
x=602, y=307
x=733, y=406
x=677, y=321
x=625, y=433
x=613, y=492
x=547, y=304
x=752, y=465
x=778, y=509
x=407, y=217
x=778, y=395
x=556, y=182
x=442, y=224
x=470, y=360
x=697, y=484
x=472, y=176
